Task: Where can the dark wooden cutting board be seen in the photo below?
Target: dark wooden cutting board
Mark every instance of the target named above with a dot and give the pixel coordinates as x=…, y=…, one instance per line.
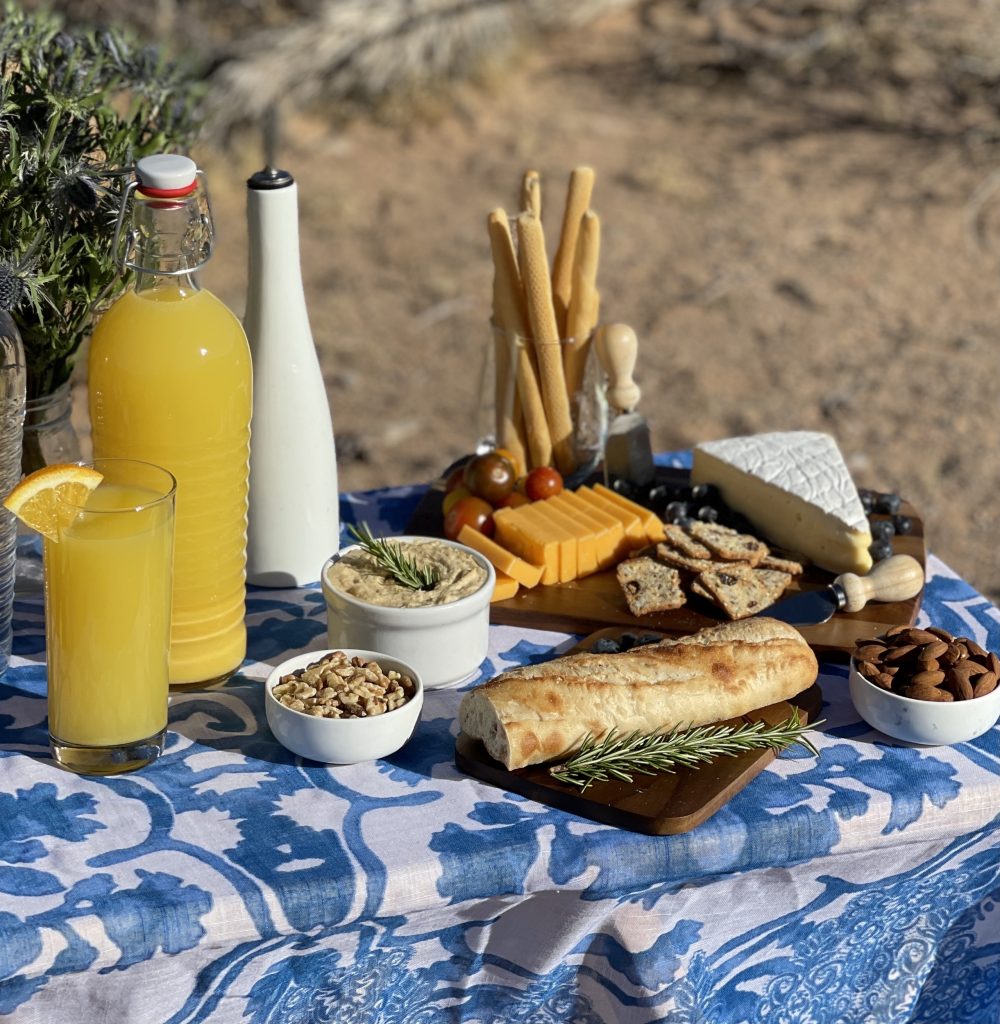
x=594, y=601
x=663, y=804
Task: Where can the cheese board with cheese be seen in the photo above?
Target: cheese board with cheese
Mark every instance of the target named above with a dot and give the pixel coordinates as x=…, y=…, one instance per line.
x=593, y=599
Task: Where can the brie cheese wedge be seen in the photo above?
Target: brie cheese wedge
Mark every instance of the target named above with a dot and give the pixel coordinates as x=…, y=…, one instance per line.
x=796, y=489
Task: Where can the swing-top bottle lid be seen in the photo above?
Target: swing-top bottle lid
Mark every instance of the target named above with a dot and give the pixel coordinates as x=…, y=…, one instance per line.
x=167, y=175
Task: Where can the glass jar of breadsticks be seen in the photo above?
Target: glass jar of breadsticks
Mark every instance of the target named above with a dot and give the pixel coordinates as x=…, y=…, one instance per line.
x=547, y=397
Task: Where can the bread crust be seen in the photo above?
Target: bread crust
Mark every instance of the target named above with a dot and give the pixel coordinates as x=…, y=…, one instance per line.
x=538, y=713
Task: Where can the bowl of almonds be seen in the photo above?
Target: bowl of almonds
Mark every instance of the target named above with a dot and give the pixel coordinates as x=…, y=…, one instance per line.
x=925, y=685
x=343, y=706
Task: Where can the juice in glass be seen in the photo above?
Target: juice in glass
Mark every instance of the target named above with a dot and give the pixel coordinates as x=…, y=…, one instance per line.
x=107, y=622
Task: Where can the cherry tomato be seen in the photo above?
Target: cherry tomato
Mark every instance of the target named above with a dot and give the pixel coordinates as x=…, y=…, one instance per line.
x=472, y=512
x=511, y=458
x=454, y=478
x=514, y=499
x=454, y=495
x=490, y=477
x=543, y=482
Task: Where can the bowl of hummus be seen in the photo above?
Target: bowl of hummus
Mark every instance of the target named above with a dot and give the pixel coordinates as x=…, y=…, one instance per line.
x=441, y=630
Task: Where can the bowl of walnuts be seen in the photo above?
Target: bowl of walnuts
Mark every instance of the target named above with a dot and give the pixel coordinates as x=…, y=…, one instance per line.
x=343, y=706
x=926, y=686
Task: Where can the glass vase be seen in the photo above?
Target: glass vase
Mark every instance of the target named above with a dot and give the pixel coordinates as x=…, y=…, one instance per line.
x=49, y=438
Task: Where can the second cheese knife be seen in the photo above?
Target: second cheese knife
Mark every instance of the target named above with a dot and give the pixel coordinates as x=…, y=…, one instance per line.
x=895, y=579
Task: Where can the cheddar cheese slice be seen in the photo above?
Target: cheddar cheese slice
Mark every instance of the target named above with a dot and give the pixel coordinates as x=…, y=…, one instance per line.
x=603, y=538
x=613, y=528
x=634, y=530
x=651, y=522
x=546, y=526
x=504, y=561
x=504, y=588
x=516, y=536
x=586, y=548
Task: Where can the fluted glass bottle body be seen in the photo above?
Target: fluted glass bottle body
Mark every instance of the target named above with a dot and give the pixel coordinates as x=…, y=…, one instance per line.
x=170, y=383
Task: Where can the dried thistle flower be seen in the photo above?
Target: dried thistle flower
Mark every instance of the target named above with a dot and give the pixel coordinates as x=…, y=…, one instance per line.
x=76, y=110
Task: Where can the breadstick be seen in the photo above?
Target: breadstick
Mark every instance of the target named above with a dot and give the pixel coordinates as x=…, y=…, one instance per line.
x=506, y=408
x=581, y=185
x=584, y=303
x=531, y=193
x=534, y=267
x=511, y=318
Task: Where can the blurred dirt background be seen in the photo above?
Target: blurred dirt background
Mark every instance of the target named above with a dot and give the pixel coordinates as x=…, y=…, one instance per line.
x=801, y=214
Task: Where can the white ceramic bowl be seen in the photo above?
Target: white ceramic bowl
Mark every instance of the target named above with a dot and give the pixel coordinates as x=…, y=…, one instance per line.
x=342, y=740
x=928, y=722
x=445, y=643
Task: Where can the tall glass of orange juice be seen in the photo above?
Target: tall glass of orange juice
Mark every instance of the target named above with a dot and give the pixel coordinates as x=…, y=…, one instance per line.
x=107, y=622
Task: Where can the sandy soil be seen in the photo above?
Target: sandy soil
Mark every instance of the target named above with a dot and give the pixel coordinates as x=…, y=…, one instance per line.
x=781, y=272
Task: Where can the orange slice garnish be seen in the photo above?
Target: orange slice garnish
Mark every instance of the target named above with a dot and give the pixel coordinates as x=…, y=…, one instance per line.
x=49, y=499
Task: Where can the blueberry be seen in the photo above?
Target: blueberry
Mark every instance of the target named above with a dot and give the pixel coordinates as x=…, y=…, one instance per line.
x=883, y=529
x=867, y=500
x=627, y=641
x=707, y=493
x=888, y=503
x=606, y=646
x=623, y=487
x=684, y=521
x=707, y=514
x=676, y=510
x=903, y=524
x=660, y=494
x=649, y=638
x=880, y=549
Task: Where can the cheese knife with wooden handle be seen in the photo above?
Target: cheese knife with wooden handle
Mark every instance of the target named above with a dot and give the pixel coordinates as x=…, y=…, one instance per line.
x=897, y=578
x=628, y=451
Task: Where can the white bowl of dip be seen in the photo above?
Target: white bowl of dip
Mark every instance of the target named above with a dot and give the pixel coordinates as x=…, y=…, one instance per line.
x=443, y=635
x=342, y=740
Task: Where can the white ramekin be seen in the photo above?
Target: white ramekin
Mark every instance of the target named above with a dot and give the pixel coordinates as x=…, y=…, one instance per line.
x=342, y=740
x=445, y=643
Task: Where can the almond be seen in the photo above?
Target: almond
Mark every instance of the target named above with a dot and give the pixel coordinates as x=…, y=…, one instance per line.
x=927, y=678
x=913, y=635
x=985, y=684
x=867, y=669
x=959, y=684
x=898, y=653
x=934, y=649
x=994, y=663
x=869, y=653
x=927, y=693
x=975, y=649
x=941, y=634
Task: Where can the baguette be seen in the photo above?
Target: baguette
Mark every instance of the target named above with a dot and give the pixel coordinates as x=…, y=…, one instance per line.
x=538, y=713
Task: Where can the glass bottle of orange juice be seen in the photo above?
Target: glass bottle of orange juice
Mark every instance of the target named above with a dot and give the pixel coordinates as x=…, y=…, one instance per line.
x=170, y=383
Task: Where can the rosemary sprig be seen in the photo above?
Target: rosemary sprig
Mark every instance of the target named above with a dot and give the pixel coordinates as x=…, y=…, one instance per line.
x=390, y=557
x=619, y=757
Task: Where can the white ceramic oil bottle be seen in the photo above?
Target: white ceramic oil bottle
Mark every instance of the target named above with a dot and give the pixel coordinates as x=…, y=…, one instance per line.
x=293, y=518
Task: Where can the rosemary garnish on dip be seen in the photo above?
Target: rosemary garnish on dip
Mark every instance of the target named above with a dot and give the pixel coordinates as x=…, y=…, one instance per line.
x=620, y=757
x=390, y=556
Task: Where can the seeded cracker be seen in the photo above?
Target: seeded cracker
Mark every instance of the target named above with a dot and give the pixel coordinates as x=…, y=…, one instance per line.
x=736, y=590
x=729, y=544
x=773, y=561
x=679, y=539
x=649, y=586
x=671, y=556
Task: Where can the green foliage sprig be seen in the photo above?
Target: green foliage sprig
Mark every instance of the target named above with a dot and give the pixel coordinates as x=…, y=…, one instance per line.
x=394, y=560
x=76, y=110
x=621, y=757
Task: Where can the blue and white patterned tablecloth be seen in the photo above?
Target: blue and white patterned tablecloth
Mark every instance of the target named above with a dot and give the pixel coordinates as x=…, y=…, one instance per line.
x=231, y=882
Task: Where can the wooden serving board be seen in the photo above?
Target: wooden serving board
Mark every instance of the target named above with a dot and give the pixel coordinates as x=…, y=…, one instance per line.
x=597, y=600
x=659, y=805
